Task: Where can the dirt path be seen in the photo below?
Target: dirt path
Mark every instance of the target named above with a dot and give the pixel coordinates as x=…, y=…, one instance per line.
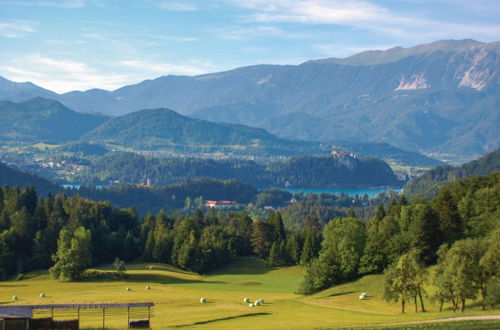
x=451, y=319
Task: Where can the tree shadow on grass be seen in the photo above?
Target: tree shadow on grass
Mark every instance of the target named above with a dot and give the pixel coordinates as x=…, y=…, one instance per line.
x=11, y=285
x=340, y=294
x=141, y=278
x=244, y=266
x=220, y=319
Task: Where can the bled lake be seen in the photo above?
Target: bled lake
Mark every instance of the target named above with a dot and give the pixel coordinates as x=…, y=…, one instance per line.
x=371, y=192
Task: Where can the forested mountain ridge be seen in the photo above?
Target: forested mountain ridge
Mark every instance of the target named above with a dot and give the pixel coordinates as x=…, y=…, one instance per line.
x=430, y=182
x=438, y=97
x=44, y=120
x=300, y=171
x=153, y=129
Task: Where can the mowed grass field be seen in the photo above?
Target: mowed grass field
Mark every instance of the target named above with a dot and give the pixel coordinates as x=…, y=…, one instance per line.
x=177, y=294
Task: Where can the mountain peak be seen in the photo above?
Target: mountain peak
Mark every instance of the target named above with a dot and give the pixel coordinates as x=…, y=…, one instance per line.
x=374, y=57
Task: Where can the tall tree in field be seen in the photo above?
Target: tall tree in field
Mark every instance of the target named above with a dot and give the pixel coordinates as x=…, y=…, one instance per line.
x=73, y=254
x=459, y=273
x=490, y=271
x=404, y=280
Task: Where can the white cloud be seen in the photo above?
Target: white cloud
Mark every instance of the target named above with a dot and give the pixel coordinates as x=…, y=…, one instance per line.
x=177, y=6
x=173, y=38
x=190, y=68
x=71, y=4
x=240, y=33
x=62, y=75
x=362, y=15
x=17, y=29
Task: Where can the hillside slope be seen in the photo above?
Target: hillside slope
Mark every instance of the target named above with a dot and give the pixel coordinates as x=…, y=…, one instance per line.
x=42, y=119
x=428, y=184
x=15, y=178
x=165, y=129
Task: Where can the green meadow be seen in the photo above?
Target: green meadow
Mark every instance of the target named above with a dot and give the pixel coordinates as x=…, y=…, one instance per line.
x=177, y=294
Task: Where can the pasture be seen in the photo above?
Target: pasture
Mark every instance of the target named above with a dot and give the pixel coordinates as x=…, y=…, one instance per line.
x=177, y=294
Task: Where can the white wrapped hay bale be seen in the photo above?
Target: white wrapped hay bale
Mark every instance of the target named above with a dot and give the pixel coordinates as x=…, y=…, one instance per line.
x=203, y=300
x=42, y=295
x=246, y=300
x=128, y=289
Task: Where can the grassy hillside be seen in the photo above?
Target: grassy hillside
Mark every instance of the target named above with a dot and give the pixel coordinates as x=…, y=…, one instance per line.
x=176, y=296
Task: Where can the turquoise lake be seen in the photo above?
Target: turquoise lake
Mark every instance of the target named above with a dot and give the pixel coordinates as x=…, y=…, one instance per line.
x=371, y=192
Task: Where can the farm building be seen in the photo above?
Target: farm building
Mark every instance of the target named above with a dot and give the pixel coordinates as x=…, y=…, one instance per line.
x=68, y=316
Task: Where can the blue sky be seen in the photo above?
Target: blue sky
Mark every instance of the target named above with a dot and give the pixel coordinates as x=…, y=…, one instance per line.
x=81, y=44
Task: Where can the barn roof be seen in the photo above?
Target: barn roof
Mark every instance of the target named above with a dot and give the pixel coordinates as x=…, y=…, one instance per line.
x=23, y=311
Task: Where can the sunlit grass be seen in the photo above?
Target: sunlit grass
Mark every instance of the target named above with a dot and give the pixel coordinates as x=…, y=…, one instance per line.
x=176, y=295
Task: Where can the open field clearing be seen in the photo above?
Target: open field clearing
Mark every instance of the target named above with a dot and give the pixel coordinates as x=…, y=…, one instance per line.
x=177, y=294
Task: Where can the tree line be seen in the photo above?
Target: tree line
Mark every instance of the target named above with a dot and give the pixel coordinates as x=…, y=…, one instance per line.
x=69, y=234
x=458, y=230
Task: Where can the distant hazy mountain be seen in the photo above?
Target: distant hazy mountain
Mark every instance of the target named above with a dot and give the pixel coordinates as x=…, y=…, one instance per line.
x=155, y=129
x=429, y=183
x=40, y=120
x=16, y=92
x=43, y=120
x=438, y=97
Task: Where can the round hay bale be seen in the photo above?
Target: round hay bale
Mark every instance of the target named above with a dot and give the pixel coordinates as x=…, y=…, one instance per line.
x=361, y=297
x=14, y=298
x=257, y=303
x=148, y=287
x=203, y=300
x=250, y=305
x=42, y=295
x=261, y=301
x=246, y=300
x=128, y=289
x=151, y=268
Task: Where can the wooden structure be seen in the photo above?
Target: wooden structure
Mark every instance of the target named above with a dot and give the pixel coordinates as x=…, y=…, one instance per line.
x=21, y=316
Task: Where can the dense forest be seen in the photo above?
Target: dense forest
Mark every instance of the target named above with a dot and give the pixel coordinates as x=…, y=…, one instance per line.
x=190, y=194
x=428, y=184
x=72, y=233
x=458, y=230
x=303, y=171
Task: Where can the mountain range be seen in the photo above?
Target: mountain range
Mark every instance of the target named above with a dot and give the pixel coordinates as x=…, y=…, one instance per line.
x=48, y=121
x=440, y=97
